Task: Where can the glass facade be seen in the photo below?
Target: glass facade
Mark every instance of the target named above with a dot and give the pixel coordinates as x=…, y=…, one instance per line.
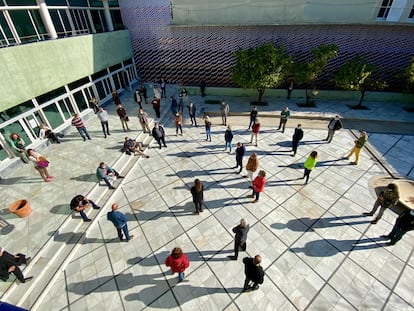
x=21, y=20
x=57, y=107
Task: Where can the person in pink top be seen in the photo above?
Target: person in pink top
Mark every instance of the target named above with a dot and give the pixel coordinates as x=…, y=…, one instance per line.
x=178, y=262
x=258, y=186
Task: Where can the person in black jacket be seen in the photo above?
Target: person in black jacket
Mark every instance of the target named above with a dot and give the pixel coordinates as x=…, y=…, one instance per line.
x=334, y=125
x=240, y=238
x=10, y=264
x=228, y=137
x=403, y=224
x=159, y=134
x=253, y=271
x=297, y=137
x=253, y=116
x=240, y=151
x=198, y=196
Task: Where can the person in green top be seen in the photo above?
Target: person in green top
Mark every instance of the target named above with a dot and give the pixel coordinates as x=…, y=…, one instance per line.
x=386, y=199
x=284, y=116
x=359, y=144
x=309, y=164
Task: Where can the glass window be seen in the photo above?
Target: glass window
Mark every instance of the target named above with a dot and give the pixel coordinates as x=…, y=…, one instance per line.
x=66, y=108
x=3, y=153
x=23, y=25
x=53, y=115
x=78, y=3
x=78, y=83
x=96, y=3
x=80, y=101
x=16, y=111
x=115, y=67
x=99, y=21
x=117, y=20
x=50, y=95
x=99, y=74
x=57, y=22
x=5, y=32
x=113, y=3
x=384, y=9
x=56, y=2
x=38, y=21
x=21, y=2
x=128, y=62
x=115, y=77
x=101, y=90
x=411, y=15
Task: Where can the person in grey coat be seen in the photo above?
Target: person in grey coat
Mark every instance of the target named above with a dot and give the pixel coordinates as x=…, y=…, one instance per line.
x=240, y=238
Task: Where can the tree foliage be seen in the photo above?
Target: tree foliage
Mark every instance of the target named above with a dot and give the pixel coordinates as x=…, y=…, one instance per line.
x=409, y=73
x=356, y=75
x=260, y=68
x=306, y=72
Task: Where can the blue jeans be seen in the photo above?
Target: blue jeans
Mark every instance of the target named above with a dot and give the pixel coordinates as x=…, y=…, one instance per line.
x=126, y=232
x=83, y=214
x=106, y=178
x=257, y=195
x=181, y=276
x=83, y=132
x=193, y=119
x=228, y=144
x=208, y=133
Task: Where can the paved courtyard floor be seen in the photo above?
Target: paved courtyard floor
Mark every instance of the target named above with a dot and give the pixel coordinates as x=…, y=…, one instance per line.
x=319, y=252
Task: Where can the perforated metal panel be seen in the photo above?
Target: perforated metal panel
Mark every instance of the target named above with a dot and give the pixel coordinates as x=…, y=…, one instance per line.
x=198, y=53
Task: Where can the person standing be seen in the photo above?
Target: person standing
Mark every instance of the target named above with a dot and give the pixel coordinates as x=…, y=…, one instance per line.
x=115, y=97
x=103, y=117
x=255, y=131
x=334, y=125
x=251, y=167
x=120, y=222
x=156, y=105
x=387, y=198
x=137, y=98
x=228, y=137
x=309, y=164
x=359, y=144
x=80, y=203
x=159, y=134
x=40, y=164
x=95, y=104
x=10, y=264
x=123, y=116
x=104, y=172
x=290, y=89
x=182, y=98
x=403, y=224
x=143, y=120
x=197, y=191
x=157, y=92
x=174, y=105
x=254, y=273
x=297, y=137
x=258, y=186
x=224, y=110
x=178, y=262
x=207, y=123
x=240, y=238
x=163, y=84
x=18, y=146
x=143, y=92
x=284, y=116
x=253, y=116
x=203, y=88
x=240, y=151
x=192, y=113
x=178, y=122
x=77, y=122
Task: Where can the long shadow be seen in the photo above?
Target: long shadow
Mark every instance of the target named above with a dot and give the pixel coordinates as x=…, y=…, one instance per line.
x=156, y=286
x=91, y=177
x=73, y=238
x=312, y=142
x=304, y=223
x=320, y=249
x=332, y=163
x=61, y=209
x=19, y=180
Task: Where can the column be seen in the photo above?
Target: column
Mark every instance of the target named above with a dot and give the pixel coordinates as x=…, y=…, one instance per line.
x=108, y=17
x=47, y=20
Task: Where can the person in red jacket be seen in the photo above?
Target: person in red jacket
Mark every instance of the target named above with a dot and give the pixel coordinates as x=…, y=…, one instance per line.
x=255, y=131
x=258, y=186
x=178, y=262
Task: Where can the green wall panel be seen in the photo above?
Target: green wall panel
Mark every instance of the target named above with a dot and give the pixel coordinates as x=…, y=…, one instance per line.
x=33, y=69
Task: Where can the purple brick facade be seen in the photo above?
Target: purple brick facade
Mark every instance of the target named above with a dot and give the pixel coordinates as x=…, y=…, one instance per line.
x=192, y=53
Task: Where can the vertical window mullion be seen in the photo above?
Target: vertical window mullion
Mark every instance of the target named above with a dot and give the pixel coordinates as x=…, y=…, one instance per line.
x=34, y=25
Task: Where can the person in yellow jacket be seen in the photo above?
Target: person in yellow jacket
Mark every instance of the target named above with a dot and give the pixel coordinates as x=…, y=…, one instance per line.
x=309, y=164
x=359, y=144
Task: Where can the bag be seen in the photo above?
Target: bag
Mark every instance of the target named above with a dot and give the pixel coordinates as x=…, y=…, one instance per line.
x=127, y=118
x=43, y=164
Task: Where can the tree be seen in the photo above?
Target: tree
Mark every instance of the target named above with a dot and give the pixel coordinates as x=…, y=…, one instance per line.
x=260, y=68
x=306, y=72
x=356, y=75
x=409, y=74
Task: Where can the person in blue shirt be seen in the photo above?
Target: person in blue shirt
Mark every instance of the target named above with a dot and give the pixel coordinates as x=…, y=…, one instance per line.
x=120, y=222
